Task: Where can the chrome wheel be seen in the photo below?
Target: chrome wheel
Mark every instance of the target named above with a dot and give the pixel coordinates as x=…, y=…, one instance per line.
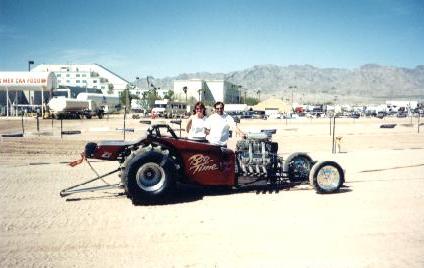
x=150, y=177
x=328, y=178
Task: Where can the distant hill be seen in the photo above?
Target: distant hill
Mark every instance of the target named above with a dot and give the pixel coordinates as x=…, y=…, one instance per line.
x=369, y=82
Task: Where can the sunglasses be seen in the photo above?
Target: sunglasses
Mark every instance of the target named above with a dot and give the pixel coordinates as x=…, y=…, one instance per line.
x=199, y=108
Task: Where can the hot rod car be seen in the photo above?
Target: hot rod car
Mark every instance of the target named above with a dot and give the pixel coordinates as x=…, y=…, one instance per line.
x=151, y=168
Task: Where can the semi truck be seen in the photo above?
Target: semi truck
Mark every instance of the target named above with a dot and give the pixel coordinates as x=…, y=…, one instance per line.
x=85, y=105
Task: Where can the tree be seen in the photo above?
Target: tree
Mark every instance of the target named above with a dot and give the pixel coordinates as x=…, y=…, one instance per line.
x=126, y=97
x=123, y=97
x=169, y=95
x=149, y=98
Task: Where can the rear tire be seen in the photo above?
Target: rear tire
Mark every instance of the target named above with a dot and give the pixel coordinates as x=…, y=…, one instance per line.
x=326, y=177
x=149, y=178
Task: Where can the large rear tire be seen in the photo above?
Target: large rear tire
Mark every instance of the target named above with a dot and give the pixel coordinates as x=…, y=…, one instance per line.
x=326, y=177
x=149, y=178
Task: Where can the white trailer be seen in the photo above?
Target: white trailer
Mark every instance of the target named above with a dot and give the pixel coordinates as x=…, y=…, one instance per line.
x=106, y=103
x=169, y=109
x=62, y=107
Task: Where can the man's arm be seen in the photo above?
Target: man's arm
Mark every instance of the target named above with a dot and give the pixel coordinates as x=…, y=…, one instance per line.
x=233, y=124
x=240, y=133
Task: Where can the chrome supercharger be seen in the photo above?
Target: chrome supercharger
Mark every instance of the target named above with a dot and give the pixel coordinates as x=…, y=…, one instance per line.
x=258, y=161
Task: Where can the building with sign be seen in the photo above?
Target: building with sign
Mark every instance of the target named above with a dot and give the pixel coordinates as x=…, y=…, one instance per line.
x=25, y=89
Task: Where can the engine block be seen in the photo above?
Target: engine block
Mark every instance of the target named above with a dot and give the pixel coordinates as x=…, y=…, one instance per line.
x=257, y=156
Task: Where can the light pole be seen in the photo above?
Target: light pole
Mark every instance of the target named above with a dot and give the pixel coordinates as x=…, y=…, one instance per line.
x=30, y=62
x=292, y=87
x=185, y=92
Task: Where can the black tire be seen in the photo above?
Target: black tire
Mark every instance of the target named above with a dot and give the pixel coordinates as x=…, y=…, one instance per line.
x=71, y=132
x=326, y=177
x=149, y=178
x=298, y=167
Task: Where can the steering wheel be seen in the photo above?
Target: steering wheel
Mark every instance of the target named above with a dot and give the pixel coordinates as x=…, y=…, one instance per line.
x=155, y=130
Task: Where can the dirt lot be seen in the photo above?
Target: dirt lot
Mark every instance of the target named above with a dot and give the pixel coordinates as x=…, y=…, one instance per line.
x=377, y=220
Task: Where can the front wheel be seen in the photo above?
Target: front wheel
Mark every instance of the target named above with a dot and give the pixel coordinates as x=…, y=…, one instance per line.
x=299, y=166
x=326, y=177
x=150, y=178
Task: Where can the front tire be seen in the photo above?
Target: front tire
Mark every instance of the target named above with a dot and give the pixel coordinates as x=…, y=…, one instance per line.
x=149, y=178
x=299, y=166
x=326, y=177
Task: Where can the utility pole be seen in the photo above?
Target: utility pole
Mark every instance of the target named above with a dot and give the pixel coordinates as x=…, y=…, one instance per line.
x=239, y=91
x=245, y=96
x=292, y=87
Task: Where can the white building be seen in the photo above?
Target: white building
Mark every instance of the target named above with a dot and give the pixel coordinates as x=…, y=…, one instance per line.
x=207, y=90
x=85, y=75
x=139, y=92
x=395, y=105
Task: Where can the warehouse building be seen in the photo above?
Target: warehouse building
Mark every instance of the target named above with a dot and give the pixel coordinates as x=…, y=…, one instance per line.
x=85, y=75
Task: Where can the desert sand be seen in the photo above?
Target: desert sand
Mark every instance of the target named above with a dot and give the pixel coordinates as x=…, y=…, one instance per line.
x=376, y=220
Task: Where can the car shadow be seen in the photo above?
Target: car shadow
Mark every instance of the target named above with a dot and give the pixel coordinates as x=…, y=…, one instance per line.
x=105, y=195
x=190, y=193
x=193, y=193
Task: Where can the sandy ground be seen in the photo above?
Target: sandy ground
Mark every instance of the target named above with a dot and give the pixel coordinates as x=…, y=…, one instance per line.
x=377, y=220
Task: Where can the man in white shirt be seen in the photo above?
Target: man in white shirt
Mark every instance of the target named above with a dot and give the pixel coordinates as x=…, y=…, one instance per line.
x=218, y=126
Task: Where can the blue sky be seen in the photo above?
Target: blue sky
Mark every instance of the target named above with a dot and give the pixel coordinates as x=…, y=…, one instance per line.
x=167, y=38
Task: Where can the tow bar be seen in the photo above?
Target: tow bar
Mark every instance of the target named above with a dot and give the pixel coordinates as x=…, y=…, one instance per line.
x=77, y=188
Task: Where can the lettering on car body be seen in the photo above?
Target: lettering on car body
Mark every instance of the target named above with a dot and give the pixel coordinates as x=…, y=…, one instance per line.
x=199, y=163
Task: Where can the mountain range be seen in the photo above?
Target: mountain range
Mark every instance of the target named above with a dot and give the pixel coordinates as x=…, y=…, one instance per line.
x=307, y=83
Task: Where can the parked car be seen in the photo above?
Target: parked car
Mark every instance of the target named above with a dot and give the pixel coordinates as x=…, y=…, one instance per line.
x=275, y=116
x=402, y=114
x=355, y=115
x=258, y=114
x=381, y=114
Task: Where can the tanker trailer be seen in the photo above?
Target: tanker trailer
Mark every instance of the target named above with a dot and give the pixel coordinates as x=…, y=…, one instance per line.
x=101, y=103
x=61, y=107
